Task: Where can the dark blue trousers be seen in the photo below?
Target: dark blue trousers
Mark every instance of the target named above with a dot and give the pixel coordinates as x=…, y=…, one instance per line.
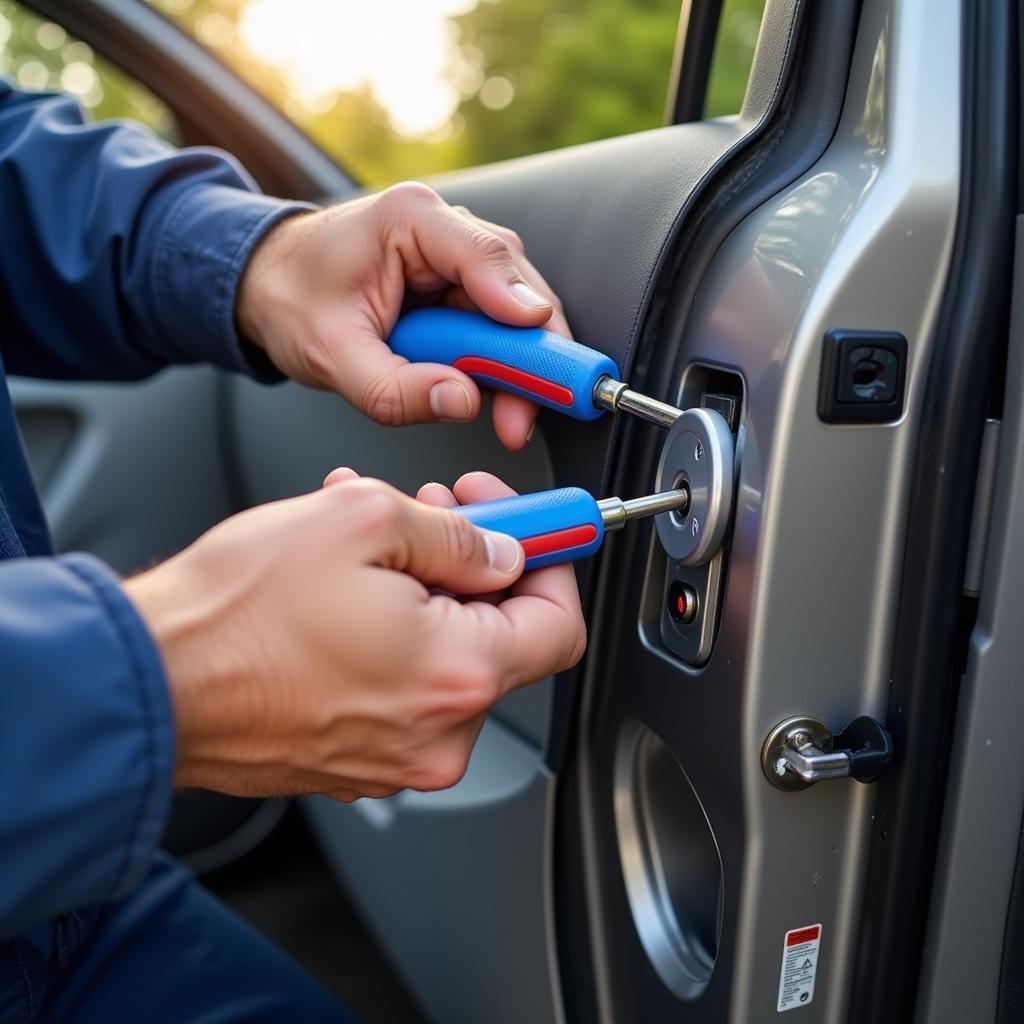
x=167, y=953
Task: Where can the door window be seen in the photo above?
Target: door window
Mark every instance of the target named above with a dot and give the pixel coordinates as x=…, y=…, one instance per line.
x=397, y=89
x=733, y=56
x=37, y=53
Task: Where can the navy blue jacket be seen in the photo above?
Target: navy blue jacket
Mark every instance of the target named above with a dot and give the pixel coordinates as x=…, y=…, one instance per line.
x=118, y=256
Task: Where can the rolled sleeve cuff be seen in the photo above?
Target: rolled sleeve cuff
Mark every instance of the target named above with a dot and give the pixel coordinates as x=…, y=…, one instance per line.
x=154, y=714
x=203, y=248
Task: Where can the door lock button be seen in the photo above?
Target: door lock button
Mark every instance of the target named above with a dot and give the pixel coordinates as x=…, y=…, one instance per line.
x=683, y=602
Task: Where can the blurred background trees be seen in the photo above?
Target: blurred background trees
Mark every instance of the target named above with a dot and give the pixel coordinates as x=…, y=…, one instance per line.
x=40, y=55
x=523, y=75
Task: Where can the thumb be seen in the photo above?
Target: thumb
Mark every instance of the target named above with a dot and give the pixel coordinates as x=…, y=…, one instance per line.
x=395, y=392
x=439, y=547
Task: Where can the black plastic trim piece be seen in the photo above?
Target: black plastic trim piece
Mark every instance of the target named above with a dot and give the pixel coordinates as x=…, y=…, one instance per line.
x=972, y=328
x=691, y=65
x=1010, y=1008
x=841, y=399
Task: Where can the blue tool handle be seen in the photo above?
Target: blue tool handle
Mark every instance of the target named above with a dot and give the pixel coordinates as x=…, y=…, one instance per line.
x=529, y=361
x=553, y=526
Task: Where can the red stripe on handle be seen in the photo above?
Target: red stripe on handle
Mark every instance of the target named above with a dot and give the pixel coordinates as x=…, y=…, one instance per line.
x=520, y=378
x=560, y=540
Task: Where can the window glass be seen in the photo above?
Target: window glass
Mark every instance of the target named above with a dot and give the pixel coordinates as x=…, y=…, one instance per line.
x=733, y=56
x=406, y=88
x=38, y=54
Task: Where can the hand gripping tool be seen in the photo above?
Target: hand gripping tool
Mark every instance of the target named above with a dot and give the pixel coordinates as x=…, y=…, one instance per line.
x=696, y=466
x=568, y=523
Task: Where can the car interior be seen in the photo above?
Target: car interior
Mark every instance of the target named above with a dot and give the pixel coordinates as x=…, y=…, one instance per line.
x=825, y=758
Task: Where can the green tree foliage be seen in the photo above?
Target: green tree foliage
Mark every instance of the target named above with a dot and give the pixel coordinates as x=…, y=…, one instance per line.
x=358, y=132
x=40, y=55
x=557, y=74
x=352, y=125
x=534, y=75
x=734, y=52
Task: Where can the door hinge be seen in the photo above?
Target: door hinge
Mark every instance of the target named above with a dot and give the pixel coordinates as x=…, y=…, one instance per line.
x=980, y=516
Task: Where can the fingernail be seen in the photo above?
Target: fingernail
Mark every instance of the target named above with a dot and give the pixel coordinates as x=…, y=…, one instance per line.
x=503, y=551
x=529, y=433
x=527, y=297
x=449, y=400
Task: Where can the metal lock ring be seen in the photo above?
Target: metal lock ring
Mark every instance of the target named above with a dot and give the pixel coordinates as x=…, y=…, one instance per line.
x=699, y=451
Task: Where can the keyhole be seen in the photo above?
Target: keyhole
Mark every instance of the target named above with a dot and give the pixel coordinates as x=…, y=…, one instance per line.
x=868, y=379
x=866, y=373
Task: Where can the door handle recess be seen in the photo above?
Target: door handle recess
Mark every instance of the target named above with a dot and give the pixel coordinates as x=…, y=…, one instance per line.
x=801, y=751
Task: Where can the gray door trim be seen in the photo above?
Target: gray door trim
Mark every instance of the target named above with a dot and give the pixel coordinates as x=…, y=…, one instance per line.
x=141, y=474
x=455, y=882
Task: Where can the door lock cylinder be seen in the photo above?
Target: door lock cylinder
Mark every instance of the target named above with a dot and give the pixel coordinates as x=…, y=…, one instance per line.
x=698, y=454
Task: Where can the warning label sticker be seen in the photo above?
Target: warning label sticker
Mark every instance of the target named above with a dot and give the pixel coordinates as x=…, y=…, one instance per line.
x=799, y=966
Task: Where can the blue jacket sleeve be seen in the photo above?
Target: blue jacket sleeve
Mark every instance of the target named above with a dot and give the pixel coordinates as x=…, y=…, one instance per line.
x=86, y=740
x=119, y=255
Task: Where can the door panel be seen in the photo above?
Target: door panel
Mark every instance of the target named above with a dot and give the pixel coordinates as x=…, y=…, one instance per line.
x=813, y=572
x=452, y=881
x=127, y=472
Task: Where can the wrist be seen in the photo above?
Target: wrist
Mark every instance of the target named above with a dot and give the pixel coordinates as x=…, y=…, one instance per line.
x=264, y=287
x=197, y=683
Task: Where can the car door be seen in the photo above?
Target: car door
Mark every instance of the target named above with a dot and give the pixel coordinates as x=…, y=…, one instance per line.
x=626, y=845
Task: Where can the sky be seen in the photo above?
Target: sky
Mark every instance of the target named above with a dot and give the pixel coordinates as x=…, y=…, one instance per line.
x=401, y=48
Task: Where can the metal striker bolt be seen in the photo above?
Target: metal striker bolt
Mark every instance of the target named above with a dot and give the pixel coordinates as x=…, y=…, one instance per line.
x=615, y=512
x=618, y=397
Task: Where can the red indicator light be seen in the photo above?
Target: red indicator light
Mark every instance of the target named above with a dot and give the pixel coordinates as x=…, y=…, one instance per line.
x=682, y=602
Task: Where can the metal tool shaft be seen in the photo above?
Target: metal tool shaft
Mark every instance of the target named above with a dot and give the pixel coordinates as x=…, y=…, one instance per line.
x=619, y=397
x=615, y=512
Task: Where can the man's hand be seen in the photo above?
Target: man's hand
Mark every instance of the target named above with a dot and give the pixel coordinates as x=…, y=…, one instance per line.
x=323, y=291
x=306, y=652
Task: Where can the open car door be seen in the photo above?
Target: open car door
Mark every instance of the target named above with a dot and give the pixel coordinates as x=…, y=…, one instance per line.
x=643, y=839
